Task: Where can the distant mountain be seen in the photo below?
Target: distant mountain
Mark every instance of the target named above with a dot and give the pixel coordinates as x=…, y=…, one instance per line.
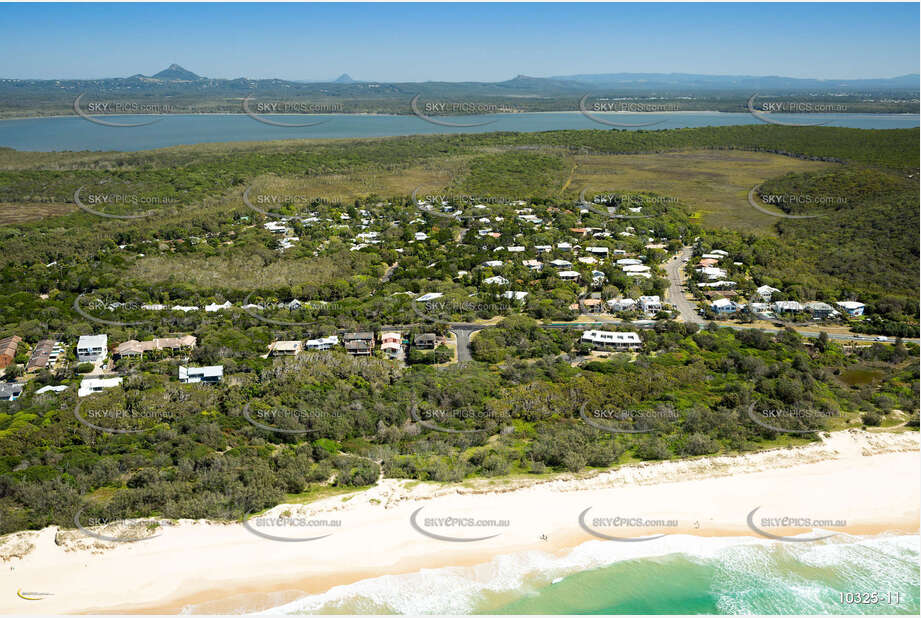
x=175, y=73
x=672, y=81
x=345, y=78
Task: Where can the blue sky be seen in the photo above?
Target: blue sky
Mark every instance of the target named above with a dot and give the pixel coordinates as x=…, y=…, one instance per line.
x=458, y=42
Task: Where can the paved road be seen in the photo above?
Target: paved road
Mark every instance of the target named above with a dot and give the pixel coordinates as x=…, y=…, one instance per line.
x=674, y=268
x=462, y=335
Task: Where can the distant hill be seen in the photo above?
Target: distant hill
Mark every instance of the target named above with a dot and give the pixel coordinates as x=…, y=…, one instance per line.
x=647, y=81
x=345, y=78
x=175, y=73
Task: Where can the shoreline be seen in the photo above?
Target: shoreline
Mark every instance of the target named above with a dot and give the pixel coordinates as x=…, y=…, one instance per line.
x=510, y=114
x=221, y=566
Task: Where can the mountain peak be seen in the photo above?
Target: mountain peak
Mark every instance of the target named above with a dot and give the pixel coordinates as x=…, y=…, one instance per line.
x=345, y=78
x=174, y=72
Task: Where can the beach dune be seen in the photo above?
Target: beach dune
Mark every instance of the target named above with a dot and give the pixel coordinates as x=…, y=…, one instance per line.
x=853, y=482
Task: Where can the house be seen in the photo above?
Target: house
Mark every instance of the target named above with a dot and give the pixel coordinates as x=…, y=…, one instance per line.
x=215, y=307
x=719, y=252
x=564, y=246
x=707, y=262
x=820, y=310
x=712, y=273
x=628, y=262
x=724, y=306
x=48, y=389
x=359, y=344
x=421, y=236
x=513, y=295
x=275, y=227
x=587, y=259
x=45, y=353
x=650, y=304
x=88, y=386
x=425, y=341
x=493, y=263
x=8, y=346
x=497, y=280
x=137, y=348
x=568, y=275
x=515, y=249
x=207, y=375
x=561, y=263
x=430, y=296
x=765, y=292
x=787, y=306
x=323, y=343
x=603, y=251
x=598, y=277
x=536, y=265
x=10, y=391
x=593, y=305
x=284, y=348
x=635, y=268
x=622, y=304
x=391, y=344
x=851, y=307
x=612, y=339
x=92, y=348
x=543, y=248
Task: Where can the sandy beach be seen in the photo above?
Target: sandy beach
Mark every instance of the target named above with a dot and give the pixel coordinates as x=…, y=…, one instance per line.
x=855, y=482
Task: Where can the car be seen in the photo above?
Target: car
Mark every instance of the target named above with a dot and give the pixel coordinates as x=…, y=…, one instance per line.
x=881, y=338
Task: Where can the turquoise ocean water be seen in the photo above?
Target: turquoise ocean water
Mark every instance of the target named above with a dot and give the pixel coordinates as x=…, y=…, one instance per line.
x=674, y=575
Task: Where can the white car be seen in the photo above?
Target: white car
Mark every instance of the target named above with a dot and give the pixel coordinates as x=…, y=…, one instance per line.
x=881, y=338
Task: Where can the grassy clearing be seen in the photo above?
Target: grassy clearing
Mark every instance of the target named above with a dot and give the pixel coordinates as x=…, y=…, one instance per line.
x=710, y=183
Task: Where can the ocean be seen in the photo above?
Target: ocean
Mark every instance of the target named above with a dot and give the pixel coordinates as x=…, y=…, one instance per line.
x=76, y=134
x=677, y=574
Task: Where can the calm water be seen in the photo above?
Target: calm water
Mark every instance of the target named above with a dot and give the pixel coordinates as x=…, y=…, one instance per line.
x=75, y=133
x=677, y=575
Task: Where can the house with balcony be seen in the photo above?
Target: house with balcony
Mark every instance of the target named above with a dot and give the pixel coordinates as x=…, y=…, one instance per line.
x=606, y=339
x=92, y=348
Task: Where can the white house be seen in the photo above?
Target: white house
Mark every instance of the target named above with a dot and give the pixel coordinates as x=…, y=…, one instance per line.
x=543, y=248
x=564, y=246
x=568, y=275
x=92, y=348
x=611, y=339
x=430, y=296
x=635, y=268
x=561, y=263
x=533, y=264
x=493, y=263
x=724, y=305
x=215, y=307
x=628, y=262
x=89, y=386
x=323, y=343
x=622, y=304
x=497, y=280
x=851, y=307
x=514, y=295
x=597, y=250
x=194, y=375
x=787, y=306
x=765, y=292
x=650, y=304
